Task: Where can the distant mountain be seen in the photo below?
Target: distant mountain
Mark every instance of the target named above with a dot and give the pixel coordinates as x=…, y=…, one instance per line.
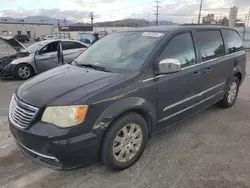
x=130, y=23
x=161, y=22
x=81, y=24
x=118, y=23
x=7, y=19
x=37, y=19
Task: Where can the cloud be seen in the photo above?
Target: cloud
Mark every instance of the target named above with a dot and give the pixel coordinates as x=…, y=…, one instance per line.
x=16, y=13
x=179, y=11
x=186, y=11
x=54, y=13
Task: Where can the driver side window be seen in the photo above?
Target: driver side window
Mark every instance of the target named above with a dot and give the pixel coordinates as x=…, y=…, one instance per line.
x=51, y=47
x=181, y=47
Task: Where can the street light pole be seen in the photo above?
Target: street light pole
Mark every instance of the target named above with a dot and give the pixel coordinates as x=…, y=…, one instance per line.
x=200, y=12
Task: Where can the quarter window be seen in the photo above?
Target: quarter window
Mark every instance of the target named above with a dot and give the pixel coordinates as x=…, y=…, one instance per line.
x=233, y=40
x=181, y=48
x=210, y=44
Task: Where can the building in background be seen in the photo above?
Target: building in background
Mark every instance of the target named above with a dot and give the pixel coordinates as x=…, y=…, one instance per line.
x=233, y=16
x=33, y=30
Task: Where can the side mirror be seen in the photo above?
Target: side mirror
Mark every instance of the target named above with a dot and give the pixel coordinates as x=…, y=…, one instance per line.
x=167, y=66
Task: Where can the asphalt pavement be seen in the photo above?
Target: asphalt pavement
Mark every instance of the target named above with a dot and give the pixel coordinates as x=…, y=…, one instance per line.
x=209, y=150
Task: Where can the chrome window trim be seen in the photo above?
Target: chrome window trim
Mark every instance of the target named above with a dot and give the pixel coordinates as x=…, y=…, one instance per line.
x=185, y=109
x=194, y=96
x=197, y=64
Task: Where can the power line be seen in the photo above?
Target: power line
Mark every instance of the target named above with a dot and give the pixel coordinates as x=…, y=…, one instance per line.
x=157, y=12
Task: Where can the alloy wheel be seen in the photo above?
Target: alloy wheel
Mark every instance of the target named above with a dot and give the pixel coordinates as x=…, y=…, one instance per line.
x=232, y=93
x=127, y=142
x=24, y=72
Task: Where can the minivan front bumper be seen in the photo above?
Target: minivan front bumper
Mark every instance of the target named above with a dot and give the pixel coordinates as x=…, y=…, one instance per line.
x=58, y=153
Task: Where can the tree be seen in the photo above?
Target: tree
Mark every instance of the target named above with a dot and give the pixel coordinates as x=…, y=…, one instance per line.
x=223, y=21
x=209, y=19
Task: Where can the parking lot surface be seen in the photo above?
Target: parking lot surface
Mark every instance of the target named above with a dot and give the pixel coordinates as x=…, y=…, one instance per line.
x=211, y=149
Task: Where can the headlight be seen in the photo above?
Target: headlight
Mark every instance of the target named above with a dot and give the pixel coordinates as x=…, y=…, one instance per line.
x=7, y=66
x=65, y=116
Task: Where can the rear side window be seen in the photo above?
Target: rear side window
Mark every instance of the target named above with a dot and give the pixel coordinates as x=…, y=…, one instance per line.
x=181, y=47
x=233, y=41
x=72, y=45
x=210, y=44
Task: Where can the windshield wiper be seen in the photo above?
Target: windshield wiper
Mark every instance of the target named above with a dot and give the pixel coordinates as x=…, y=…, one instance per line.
x=96, y=67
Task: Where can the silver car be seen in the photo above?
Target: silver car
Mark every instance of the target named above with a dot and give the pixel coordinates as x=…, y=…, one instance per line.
x=37, y=58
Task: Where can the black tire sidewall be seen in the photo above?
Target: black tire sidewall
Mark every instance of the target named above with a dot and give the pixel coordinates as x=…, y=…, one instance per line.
x=16, y=72
x=107, y=147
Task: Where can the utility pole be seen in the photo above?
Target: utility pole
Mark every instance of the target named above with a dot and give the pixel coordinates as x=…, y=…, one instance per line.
x=148, y=19
x=199, y=17
x=248, y=19
x=65, y=23
x=157, y=12
x=92, y=19
x=58, y=25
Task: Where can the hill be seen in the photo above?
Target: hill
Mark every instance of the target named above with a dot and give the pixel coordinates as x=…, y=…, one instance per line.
x=130, y=22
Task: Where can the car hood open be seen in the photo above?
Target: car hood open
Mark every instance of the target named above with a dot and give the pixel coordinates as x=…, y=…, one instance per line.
x=12, y=42
x=65, y=85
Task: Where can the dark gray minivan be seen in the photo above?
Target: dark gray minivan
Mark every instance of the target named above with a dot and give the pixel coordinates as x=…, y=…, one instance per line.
x=125, y=87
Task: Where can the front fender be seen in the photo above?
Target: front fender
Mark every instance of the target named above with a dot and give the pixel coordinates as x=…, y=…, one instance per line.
x=122, y=106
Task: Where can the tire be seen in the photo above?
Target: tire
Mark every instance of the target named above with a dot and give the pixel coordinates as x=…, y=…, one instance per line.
x=116, y=130
x=228, y=101
x=23, y=68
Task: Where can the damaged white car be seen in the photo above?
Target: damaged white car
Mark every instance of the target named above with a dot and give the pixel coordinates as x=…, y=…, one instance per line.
x=37, y=58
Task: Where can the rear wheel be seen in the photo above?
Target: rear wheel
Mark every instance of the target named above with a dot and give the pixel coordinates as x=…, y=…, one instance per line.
x=124, y=142
x=23, y=71
x=231, y=93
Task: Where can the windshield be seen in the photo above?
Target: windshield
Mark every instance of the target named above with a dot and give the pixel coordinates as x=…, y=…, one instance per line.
x=37, y=46
x=125, y=50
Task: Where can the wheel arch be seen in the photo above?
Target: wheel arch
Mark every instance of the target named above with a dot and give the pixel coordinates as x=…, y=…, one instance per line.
x=23, y=63
x=123, y=106
x=239, y=76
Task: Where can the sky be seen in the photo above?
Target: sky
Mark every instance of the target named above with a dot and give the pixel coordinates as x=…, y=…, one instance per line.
x=108, y=10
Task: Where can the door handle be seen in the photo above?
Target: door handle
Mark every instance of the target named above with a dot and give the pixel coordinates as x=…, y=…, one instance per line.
x=208, y=70
x=196, y=74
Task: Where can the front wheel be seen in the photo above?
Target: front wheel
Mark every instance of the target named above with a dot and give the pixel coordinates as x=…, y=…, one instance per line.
x=124, y=142
x=230, y=94
x=23, y=72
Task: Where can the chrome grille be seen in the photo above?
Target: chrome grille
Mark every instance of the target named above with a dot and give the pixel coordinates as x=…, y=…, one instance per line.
x=20, y=113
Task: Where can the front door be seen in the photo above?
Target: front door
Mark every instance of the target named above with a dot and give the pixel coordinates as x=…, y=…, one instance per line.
x=47, y=57
x=177, y=92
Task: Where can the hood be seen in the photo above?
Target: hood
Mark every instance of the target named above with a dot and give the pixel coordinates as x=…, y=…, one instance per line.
x=11, y=41
x=65, y=85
